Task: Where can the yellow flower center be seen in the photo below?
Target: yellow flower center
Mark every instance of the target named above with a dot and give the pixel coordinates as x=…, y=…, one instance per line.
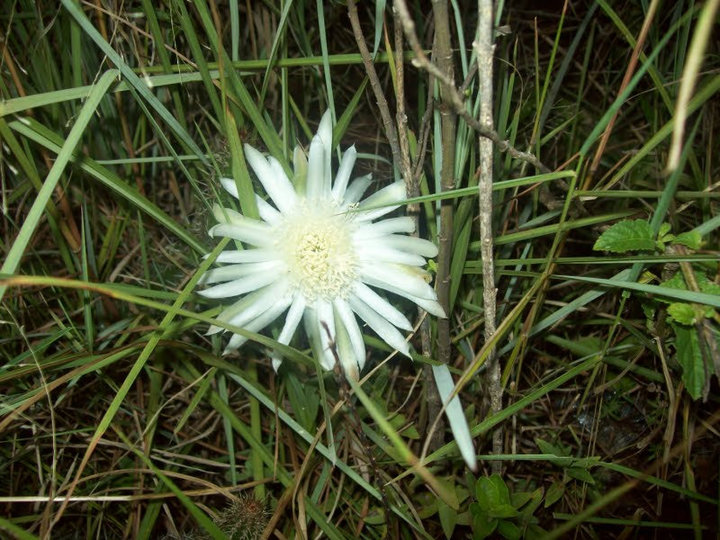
x=316, y=243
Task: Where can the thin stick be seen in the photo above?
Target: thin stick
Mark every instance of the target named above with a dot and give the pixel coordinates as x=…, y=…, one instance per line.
x=390, y=132
x=453, y=97
x=484, y=48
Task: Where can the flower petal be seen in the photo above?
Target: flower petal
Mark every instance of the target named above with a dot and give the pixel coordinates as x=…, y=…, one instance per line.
x=346, y=318
x=314, y=331
x=292, y=320
x=395, y=278
x=250, y=231
x=382, y=328
x=324, y=132
x=404, y=224
x=240, y=286
x=381, y=306
x=346, y=353
x=267, y=212
x=356, y=189
x=431, y=306
x=375, y=251
x=326, y=326
x=236, y=271
x=411, y=244
x=230, y=186
x=259, y=323
x=261, y=300
x=316, y=188
x=246, y=255
x=275, y=181
x=343, y=175
x=254, y=305
x=387, y=198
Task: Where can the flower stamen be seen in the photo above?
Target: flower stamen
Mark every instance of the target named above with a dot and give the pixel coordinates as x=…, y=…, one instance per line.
x=317, y=246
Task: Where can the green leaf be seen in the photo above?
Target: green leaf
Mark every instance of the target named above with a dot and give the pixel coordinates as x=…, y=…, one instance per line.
x=536, y=498
x=448, y=519
x=503, y=511
x=518, y=500
x=689, y=356
x=491, y=492
x=629, y=235
x=580, y=474
x=483, y=526
x=509, y=530
x=704, y=284
x=304, y=401
x=686, y=314
x=554, y=493
x=547, y=448
x=691, y=239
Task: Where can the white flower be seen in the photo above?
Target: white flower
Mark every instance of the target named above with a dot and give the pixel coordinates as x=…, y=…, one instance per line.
x=316, y=254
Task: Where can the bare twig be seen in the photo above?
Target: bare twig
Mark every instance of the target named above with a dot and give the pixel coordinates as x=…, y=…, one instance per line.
x=632, y=64
x=390, y=131
x=444, y=69
x=484, y=48
x=453, y=97
x=434, y=404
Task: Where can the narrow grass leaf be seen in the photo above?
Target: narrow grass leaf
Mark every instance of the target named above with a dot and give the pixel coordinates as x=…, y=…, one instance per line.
x=22, y=241
x=455, y=414
x=136, y=82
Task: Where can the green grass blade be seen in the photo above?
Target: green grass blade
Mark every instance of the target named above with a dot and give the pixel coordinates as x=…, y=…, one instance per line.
x=22, y=241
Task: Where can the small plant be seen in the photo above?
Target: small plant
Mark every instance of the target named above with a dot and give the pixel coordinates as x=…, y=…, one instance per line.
x=696, y=338
x=499, y=512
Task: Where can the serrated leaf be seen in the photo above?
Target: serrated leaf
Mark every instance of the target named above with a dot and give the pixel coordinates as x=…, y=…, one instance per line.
x=689, y=356
x=705, y=285
x=630, y=235
x=691, y=239
x=664, y=229
x=683, y=313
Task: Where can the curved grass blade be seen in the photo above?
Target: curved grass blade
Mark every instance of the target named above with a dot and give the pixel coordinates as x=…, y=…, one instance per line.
x=22, y=241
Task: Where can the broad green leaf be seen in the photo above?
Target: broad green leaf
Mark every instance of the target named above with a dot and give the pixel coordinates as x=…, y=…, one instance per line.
x=691, y=239
x=704, y=284
x=503, y=511
x=664, y=229
x=492, y=494
x=448, y=519
x=630, y=235
x=684, y=313
x=690, y=359
x=483, y=526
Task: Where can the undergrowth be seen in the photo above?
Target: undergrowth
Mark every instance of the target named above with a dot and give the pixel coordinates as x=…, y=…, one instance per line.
x=120, y=418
